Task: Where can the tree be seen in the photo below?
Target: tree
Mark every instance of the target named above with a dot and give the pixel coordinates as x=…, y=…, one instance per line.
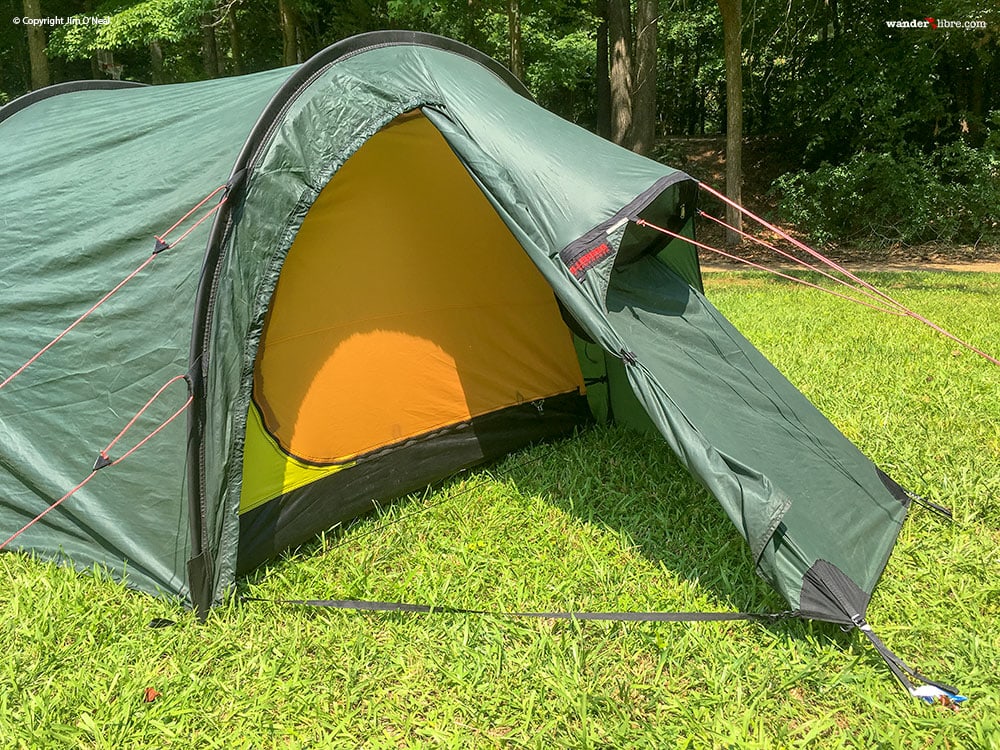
x=642, y=138
x=516, y=55
x=620, y=69
x=156, y=60
x=235, y=40
x=289, y=32
x=732, y=13
x=209, y=44
x=632, y=73
x=36, y=46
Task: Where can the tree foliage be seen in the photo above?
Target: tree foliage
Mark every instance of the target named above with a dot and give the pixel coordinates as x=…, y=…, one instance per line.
x=857, y=103
x=692, y=70
x=131, y=27
x=884, y=199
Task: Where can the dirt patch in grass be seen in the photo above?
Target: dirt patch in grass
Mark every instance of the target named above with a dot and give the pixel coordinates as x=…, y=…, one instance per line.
x=974, y=266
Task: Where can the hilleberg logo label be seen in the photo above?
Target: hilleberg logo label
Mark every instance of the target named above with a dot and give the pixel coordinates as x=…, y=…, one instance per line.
x=586, y=261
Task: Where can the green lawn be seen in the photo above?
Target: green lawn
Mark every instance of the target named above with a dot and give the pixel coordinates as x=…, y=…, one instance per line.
x=606, y=521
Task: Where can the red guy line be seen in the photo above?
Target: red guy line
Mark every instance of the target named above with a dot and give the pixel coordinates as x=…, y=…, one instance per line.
x=139, y=413
x=127, y=279
x=644, y=223
x=848, y=274
x=77, y=322
x=104, y=454
x=197, y=224
x=801, y=245
x=788, y=255
x=48, y=510
x=206, y=199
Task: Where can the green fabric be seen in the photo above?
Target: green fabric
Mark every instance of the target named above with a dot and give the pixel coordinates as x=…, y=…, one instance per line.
x=88, y=178
x=682, y=257
x=764, y=451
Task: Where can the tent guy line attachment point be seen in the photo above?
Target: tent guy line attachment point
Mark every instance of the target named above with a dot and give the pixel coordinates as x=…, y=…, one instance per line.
x=103, y=459
x=159, y=246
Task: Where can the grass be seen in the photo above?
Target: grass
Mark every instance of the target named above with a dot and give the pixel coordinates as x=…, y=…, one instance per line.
x=606, y=521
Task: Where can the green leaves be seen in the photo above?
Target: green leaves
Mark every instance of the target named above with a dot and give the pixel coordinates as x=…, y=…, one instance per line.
x=134, y=26
x=879, y=199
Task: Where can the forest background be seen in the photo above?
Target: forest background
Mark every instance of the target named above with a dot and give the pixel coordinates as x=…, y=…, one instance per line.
x=872, y=126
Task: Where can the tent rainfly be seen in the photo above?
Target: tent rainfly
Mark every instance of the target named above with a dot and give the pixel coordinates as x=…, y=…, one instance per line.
x=410, y=268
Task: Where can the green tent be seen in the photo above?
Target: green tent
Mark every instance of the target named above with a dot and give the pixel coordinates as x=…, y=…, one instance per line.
x=415, y=268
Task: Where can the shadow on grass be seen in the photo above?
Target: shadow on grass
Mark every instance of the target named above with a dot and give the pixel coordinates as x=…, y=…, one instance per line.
x=616, y=480
x=639, y=490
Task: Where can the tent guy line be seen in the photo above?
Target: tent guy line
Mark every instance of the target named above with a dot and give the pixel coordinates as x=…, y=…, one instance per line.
x=163, y=237
x=103, y=458
x=797, y=243
x=160, y=245
x=799, y=261
x=853, y=277
x=901, y=310
x=34, y=358
x=761, y=267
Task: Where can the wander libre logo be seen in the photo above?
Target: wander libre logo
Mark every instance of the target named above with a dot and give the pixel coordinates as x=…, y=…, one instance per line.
x=935, y=23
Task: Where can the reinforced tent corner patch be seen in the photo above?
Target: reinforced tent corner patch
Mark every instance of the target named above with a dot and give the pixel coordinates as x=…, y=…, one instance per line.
x=399, y=280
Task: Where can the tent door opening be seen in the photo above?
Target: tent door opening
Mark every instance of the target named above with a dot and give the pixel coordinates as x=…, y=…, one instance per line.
x=409, y=334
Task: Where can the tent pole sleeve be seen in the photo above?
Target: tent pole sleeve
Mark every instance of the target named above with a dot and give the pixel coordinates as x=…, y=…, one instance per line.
x=199, y=567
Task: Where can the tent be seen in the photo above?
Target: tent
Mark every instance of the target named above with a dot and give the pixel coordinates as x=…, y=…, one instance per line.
x=403, y=267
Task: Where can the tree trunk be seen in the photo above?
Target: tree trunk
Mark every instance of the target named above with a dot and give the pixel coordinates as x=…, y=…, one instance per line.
x=289, y=32
x=209, y=45
x=235, y=41
x=977, y=109
x=834, y=17
x=514, y=38
x=603, y=74
x=473, y=36
x=732, y=12
x=37, y=55
x=156, y=61
x=620, y=69
x=643, y=133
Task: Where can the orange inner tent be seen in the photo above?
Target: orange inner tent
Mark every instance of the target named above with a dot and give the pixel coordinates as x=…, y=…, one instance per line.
x=405, y=305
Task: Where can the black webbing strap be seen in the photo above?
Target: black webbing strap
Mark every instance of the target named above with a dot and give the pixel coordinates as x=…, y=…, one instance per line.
x=930, y=505
x=369, y=606
x=900, y=669
x=905, y=496
x=903, y=671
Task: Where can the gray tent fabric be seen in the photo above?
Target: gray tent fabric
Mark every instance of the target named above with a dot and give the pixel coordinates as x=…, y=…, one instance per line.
x=90, y=177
